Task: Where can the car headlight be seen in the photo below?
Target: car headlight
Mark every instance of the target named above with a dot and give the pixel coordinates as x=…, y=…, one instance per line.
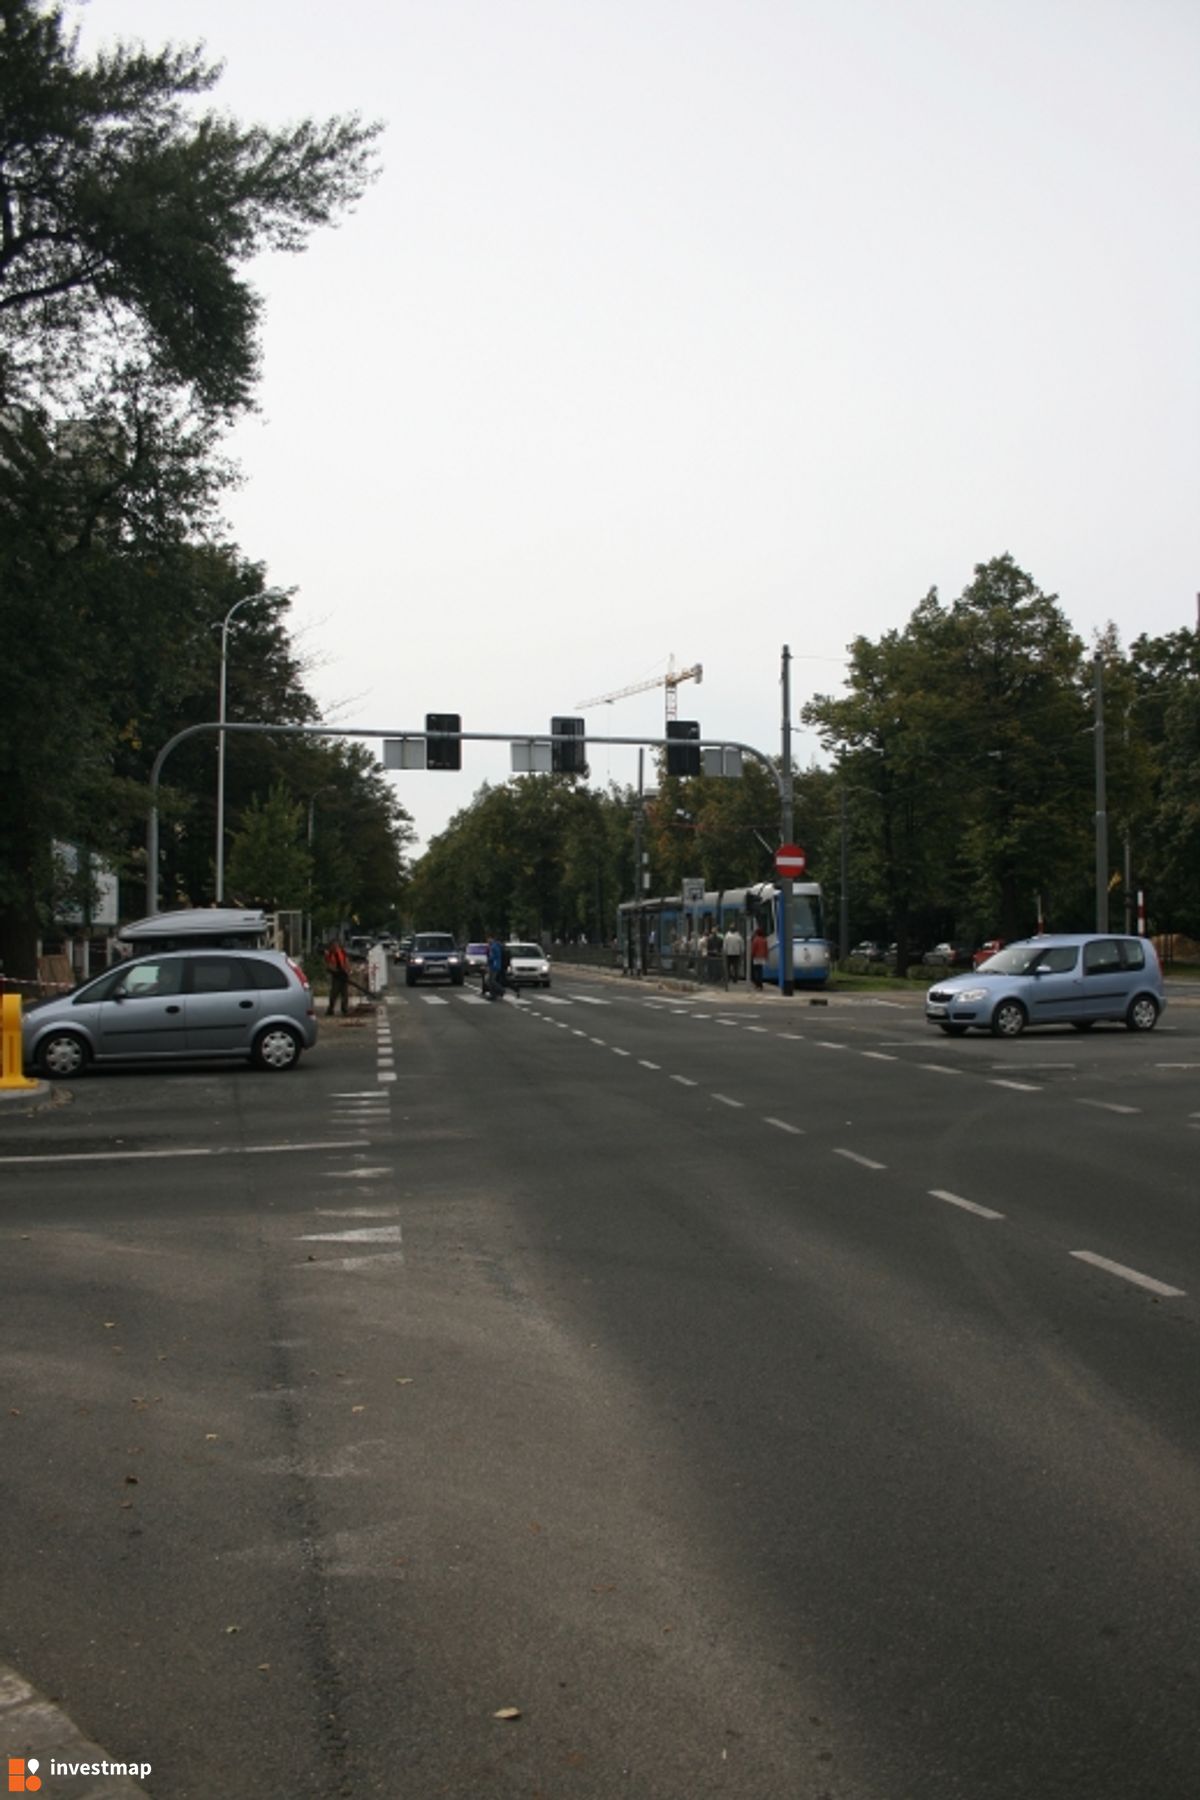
x=417, y=959
x=452, y=959
x=971, y=994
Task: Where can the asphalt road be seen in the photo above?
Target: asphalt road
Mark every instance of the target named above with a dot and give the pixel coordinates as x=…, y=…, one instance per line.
x=765, y=1400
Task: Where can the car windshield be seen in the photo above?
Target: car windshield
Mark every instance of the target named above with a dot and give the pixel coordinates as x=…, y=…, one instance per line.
x=526, y=950
x=476, y=949
x=1018, y=959
x=433, y=940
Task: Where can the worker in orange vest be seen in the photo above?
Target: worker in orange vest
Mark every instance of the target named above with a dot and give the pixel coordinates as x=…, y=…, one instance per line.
x=338, y=964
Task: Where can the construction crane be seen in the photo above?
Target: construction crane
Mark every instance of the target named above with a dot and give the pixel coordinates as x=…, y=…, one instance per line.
x=670, y=681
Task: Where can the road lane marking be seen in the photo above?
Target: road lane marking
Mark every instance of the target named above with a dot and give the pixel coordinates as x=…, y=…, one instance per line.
x=1109, y=1106
x=601, y=1043
x=591, y=1000
x=435, y=1000
x=1019, y=1087
x=363, y=1094
x=782, y=1125
x=761, y=1028
x=618, y=1052
x=389, y=1076
x=880, y=1056
x=575, y=1032
x=648, y=1065
x=794, y=1037
x=825, y=1044
x=684, y=1081
x=1134, y=1275
x=971, y=1206
x=726, y=1101
x=362, y=1234
x=77, y=1156
x=939, y=1069
x=854, y=1157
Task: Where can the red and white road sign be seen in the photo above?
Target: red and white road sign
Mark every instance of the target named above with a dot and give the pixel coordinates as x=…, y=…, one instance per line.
x=790, y=860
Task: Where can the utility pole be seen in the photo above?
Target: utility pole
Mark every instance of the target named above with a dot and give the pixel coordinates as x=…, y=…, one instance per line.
x=1101, y=803
x=787, y=984
x=844, y=879
x=639, y=885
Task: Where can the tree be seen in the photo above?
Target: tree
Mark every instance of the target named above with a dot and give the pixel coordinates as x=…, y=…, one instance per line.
x=269, y=865
x=125, y=217
x=128, y=341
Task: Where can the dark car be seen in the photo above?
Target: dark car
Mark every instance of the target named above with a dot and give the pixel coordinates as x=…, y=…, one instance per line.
x=434, y=956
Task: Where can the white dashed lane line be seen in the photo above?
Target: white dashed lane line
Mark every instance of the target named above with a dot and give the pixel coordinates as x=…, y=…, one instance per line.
x=1108, y=1106
x=971, y=1206
x=864, y=1161
x=642, y=1063
x=1018, y=1087
x=939, y=1069
x=1126, y=1274
x=782, y=1125
x=685, y=1081
x=879, y=1056
x=726, y=1101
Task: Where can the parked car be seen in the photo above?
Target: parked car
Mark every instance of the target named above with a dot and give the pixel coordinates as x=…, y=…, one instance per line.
x=954, y=956
x=1077, y=980
x=528, y=966
x=986, y=949
x=178, y=1006
x=868, y=951
x=475, y=958
x=434, y=957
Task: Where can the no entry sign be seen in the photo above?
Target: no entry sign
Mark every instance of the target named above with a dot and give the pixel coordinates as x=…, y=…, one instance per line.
x=790, y=860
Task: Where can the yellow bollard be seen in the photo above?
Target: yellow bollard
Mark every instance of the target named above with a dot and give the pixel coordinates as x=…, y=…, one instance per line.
x=11, y=1060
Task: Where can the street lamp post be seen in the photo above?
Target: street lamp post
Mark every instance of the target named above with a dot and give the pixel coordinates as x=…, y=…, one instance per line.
x=220, y=882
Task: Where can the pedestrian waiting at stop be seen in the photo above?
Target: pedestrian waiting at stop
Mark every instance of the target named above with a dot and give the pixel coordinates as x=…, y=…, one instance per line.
x=758, y=956
x=733, y=948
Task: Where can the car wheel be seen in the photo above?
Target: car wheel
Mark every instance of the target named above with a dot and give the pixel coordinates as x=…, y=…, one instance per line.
x=955, y=1030
x=1008, y=1020
x=62, y=1055
x=277, y=1048
x=1142, y=1014
x=1082, y=1024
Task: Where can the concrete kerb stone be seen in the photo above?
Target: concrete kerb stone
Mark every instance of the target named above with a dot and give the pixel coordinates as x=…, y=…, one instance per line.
x=31, y=1725
x=34, y=1098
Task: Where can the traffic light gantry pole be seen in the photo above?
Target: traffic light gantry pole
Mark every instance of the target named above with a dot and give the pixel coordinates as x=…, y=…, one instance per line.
x=362, y=731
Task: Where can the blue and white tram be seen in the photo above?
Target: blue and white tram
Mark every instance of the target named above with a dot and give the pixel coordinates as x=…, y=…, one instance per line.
x=666, y=934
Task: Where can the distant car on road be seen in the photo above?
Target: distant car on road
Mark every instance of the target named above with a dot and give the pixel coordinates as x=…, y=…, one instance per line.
x=178, y=1006
x=434, y=957
x=1074, y=980
x=528, y=966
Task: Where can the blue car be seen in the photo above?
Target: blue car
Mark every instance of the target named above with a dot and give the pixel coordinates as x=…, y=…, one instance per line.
x=1077, y=979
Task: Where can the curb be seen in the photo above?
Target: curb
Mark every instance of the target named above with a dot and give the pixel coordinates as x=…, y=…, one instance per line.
x=32, y=1726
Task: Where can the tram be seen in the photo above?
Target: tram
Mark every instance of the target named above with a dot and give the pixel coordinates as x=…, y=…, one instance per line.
x=666, y=934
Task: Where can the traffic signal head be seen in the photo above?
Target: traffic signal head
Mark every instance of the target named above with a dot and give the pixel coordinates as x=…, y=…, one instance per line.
x=568, y=759
x=683, y=758
x=442, y=752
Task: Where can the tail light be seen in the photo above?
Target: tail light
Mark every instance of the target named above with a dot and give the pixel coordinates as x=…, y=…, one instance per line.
x=298, y=972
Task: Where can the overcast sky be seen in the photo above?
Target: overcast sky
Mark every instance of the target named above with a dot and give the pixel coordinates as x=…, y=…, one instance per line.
x=700, y=328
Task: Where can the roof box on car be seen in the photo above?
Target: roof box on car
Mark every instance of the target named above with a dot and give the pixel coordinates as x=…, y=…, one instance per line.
x=217, y=927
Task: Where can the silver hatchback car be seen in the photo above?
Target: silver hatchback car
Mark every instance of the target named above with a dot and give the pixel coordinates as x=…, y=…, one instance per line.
x=182, y=1005
x=1075, y=980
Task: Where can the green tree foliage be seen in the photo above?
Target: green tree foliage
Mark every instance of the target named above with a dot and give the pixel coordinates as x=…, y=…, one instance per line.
x=1161, y=812
x=269, y=863
x=126, y=215
x=962, y=749
x=128, y=340
x=541, y=855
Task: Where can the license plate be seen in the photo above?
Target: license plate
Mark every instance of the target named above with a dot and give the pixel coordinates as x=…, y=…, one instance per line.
x=936, y=1012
